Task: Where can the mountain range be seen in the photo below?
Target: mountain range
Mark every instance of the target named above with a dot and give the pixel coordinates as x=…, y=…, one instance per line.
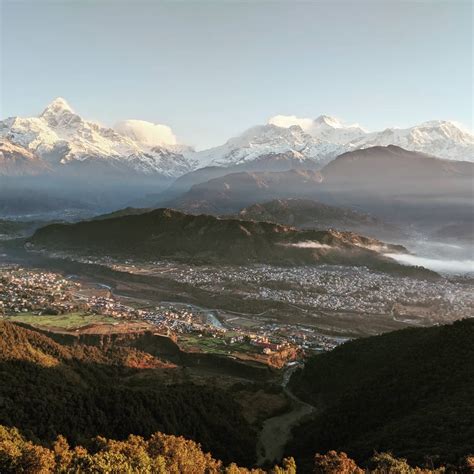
x=61, y=140
x=389, y=182
x=60, y=161
x=326, y=137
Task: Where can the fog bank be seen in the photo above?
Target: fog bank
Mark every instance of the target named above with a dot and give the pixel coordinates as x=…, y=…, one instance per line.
x=437, y=265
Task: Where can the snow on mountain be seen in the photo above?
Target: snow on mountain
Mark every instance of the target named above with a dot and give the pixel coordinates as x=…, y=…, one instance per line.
x=438, y=138
x=324, y=128
x=63, y=139
x=324, y=138
x=269, y=139
x=16, y=160
x=332, y=130
x=443, y=139
x=60, y=136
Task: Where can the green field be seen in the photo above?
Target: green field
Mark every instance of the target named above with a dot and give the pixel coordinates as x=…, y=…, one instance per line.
x=213, y=345
x=63, y=321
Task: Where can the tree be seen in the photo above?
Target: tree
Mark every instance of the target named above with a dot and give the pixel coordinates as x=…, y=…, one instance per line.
x=62, y=455
x=182, y=456
x=335, y=463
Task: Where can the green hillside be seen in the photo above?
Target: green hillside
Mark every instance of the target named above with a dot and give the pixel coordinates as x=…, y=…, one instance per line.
x=165, y=233
x=83, y=391
x=410, y=392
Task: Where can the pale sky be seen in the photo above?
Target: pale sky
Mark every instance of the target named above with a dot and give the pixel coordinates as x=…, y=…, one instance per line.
x=209, y=70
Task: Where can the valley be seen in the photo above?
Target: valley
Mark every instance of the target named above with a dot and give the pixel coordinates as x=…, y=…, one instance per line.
x=226, y=311
x=294, y=308
x=242, y=330
x=236, y=237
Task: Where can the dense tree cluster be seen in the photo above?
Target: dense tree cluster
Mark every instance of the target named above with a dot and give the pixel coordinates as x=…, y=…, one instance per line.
x=167, y=454
x=334, y=462
x=409, y=392
x=160, y=454
x=82, y=391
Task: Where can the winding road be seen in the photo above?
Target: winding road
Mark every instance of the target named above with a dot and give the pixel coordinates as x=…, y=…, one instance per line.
x=276, y=431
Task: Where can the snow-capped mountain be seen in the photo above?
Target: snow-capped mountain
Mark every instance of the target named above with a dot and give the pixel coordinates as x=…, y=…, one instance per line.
x=438, y=138
x=16, y=160
x=61, y=137
x=331, y=130
x=62, y=140
x=323, y=128
x=264, y=140
x=320, y=140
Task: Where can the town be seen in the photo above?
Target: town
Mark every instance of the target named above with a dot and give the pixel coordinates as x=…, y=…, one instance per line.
x=28, y=292
x=325, y=287
x=326, y=290
x=320, y=287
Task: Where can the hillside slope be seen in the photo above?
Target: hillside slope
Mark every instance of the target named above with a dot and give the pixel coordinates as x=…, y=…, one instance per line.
x=392, y=169
x=232, y=192
x=312, y=214
x=16, y=160
x=83, y=391
x=305, y=213
x=272, y=162
x=165, y=233
x=394, y=184
x=408, y=391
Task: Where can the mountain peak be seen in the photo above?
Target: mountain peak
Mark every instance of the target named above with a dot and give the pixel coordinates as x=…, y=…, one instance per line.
x=57, y=106
x=444, y=123
x=328, y=121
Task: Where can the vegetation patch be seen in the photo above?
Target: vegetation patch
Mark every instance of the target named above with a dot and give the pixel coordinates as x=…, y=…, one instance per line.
x=63, y=321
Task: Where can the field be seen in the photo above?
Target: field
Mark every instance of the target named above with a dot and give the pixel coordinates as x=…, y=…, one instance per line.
x=62, y=321
x=213, y=345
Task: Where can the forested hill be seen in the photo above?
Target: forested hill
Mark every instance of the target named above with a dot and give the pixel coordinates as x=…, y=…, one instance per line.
x=409, y=391
x=166, y=233
x=80, y=391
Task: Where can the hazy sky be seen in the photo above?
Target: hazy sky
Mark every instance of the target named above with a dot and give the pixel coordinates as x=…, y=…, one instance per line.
x=212, y=69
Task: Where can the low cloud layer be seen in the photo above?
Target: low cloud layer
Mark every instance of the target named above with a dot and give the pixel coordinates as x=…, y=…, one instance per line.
x=437, y=265
x=309, y=244
x=149, y=133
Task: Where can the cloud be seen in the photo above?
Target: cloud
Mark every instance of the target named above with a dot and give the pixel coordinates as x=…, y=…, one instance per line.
x=437, y=265
x=309, y=244
x=287, y=121
x=149, y=133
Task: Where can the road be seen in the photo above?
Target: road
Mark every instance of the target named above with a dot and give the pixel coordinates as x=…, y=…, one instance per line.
x=276, y=431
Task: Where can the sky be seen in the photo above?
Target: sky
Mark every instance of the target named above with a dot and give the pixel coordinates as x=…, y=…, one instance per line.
x=210, y=70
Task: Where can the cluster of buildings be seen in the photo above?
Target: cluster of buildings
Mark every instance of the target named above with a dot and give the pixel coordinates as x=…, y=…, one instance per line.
x=110, y=306
x=321, y=288
x=179, y=320
x=23, y=291
x=39, y=292
x=305, y=338
x=336, y=288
